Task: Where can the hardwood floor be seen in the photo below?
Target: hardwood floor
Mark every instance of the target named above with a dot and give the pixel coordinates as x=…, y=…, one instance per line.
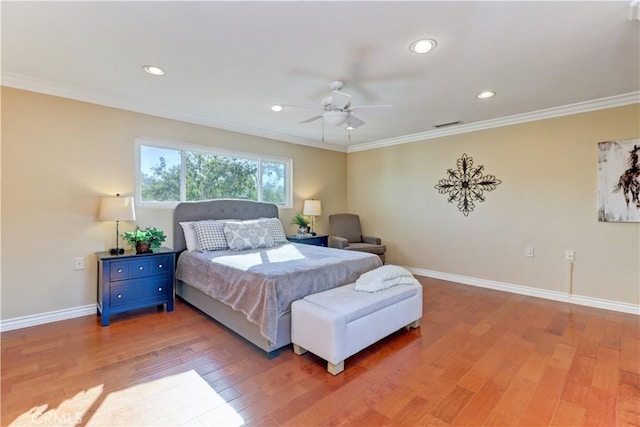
x=481, y=357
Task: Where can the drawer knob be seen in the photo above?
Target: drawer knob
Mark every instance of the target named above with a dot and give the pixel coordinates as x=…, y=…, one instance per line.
x=159, y=265
x=141, y=268
x=159, y=289
x=119, y=270
x=119, y=295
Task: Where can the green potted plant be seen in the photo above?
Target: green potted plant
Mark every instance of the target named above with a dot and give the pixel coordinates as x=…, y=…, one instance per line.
x=146, y=240
x=302, y=223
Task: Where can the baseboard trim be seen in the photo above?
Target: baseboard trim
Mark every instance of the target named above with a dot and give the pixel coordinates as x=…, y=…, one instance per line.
x=70, y=313
x=48, y=317
x=534, y=292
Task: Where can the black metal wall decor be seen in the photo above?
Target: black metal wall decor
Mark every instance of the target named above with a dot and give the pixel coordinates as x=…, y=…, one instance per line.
x=467, y=184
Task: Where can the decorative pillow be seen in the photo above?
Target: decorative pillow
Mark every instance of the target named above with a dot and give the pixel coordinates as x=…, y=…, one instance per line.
x=275, y=229
x=190, y=236
x=384, y=277
x=210, y=235
x=247, y=235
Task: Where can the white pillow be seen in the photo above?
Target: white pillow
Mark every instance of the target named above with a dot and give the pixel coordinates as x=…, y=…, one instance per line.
x=210, y=235
x=190, y=236
x=384, y=277
x=275, y=229
x=247, y=235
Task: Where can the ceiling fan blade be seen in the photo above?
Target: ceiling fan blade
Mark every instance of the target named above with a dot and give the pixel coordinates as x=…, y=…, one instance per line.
x=375, y=109
x=340, y=100
x=301, y=106
x=353, y=122
x=311, y=119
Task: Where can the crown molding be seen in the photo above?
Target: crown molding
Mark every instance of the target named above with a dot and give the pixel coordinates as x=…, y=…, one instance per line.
x=549, y=113
x=64, y=91
x=42, y=86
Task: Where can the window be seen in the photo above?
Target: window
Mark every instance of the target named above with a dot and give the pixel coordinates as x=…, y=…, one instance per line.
x=170, y=173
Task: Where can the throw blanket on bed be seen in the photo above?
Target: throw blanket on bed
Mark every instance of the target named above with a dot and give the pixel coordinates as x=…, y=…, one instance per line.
x=262, y=283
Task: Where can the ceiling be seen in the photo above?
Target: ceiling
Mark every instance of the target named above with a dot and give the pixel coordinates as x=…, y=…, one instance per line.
x=227, y=61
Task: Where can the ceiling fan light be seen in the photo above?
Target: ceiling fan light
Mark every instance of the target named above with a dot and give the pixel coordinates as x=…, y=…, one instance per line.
x=276, y=107
x=422, y=46
x=335, y=118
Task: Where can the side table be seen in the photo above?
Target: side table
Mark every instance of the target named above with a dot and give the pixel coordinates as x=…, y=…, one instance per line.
x=317, y=240
x=130, y=281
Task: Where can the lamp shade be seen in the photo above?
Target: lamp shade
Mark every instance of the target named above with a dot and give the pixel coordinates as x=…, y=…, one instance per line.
x=312, y=208
x=117, y=209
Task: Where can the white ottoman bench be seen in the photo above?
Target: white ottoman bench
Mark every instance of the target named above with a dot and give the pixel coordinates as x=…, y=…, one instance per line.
x=339, y=322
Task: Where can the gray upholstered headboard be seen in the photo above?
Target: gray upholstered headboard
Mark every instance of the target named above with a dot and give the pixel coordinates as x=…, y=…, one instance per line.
x=217, y=209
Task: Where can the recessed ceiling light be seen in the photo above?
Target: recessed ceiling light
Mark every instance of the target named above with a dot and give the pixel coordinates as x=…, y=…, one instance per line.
x=486, y=94
x=154, y=70
x=422, y=46
x=276, y=107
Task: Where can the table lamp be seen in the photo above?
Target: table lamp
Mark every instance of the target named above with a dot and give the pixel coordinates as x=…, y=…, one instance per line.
x=312, y=208
x=117, y=209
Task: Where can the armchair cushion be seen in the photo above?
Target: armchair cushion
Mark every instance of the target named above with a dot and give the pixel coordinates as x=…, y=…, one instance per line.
x=347, y=226
x=367, y=247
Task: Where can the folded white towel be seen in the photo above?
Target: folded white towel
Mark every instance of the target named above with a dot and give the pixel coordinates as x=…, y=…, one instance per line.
x=384, y=277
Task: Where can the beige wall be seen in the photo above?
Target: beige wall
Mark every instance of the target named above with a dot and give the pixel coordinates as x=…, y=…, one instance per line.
x=60, y=156
x=547, y=199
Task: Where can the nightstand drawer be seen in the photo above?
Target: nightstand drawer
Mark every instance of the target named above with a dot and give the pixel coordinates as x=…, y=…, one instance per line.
x=135, y=268
x=140, y=292
x=142, y=267
x=160, y=264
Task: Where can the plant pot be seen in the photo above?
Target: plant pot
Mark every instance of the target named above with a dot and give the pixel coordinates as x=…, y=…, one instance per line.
x=143, y=248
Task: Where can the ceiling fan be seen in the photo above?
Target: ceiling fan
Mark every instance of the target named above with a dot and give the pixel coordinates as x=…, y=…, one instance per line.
x=337, y=109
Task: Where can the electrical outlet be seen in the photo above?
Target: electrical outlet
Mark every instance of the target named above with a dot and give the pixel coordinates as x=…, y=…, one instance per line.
x=529, y=251
x=570, y=255
x=79, y=263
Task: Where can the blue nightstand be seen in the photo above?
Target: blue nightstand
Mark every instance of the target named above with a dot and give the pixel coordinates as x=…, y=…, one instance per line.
x=318, y=240
x=130, y=281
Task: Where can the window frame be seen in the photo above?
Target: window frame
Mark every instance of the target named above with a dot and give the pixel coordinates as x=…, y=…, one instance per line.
x=201, y=149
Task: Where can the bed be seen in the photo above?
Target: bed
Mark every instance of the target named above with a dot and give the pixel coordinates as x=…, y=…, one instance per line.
x=251, y=291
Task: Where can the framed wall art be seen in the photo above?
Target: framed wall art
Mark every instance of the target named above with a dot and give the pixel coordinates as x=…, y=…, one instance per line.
x=619, y=181
x=466, y=184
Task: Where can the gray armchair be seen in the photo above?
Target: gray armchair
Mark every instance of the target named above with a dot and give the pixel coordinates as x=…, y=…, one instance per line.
x=346, y=233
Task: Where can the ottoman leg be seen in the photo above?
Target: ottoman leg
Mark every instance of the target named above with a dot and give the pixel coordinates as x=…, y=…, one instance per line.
x=298, y=350
x=415, y=324
x=335, y=369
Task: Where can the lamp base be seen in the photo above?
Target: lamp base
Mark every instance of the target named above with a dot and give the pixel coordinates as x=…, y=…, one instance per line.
x=116, y=251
